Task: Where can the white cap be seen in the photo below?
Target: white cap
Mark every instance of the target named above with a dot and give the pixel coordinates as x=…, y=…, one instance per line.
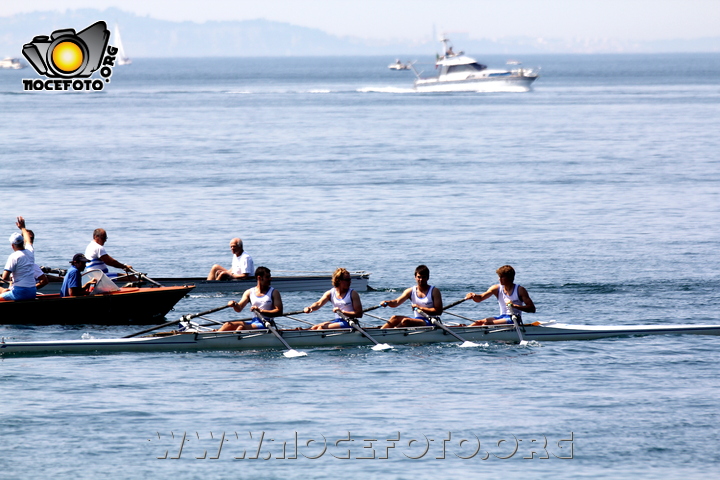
x=16, y=239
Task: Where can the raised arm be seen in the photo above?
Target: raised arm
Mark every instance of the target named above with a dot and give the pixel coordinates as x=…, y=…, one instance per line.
x=20, y=222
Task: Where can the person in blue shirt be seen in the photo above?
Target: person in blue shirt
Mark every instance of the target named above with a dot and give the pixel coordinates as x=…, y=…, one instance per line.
x=72, y=284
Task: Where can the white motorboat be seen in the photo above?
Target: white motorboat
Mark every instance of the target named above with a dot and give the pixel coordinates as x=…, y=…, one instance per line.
x=289, y=283
x=11, y=63
x=460, y=73
x=398, y=65
x=198, y=340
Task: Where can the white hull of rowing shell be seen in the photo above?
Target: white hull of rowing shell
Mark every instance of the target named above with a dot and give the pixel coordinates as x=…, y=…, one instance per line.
x=262, y=339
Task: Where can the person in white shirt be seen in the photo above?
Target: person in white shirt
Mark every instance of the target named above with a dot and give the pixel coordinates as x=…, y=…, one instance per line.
x=20, y=267
x=242, y=264
x=98, y=257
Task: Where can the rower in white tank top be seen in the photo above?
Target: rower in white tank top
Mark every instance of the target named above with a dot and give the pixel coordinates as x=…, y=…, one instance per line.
x=424, y=302
x=263, y=302
x=344, y=304
x=504, y=298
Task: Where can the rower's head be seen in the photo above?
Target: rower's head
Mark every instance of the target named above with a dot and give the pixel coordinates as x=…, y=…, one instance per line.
x=236, y=246
x=79, y=261
x=100, y=236
x=16, y=241
x=422, y=274
x=507, y=273
x=341, y=277
x=262, y=274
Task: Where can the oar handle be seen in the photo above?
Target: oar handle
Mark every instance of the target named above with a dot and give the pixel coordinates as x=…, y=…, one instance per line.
x=188, y=317
x=183, y=318
x=454, y=303
x=142, y=275
x=370, y=309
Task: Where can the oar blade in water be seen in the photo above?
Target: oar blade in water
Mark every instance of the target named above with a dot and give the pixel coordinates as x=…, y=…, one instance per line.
x=381, y=346
x=467, y=344
x=294, y=353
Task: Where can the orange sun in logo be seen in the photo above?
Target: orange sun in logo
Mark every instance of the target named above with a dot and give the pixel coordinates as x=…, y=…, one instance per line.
x=67, y=56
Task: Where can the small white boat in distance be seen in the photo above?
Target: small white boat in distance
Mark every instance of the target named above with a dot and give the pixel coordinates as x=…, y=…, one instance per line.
x=398, y=65
x=11, y=64
x=460, y=73
x=122, y=58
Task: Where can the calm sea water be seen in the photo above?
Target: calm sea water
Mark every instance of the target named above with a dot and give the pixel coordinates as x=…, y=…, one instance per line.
x=600, y=187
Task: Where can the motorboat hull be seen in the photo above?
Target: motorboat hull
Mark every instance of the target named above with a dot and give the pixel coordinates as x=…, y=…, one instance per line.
x=141, y=306
x=510, y=83
x=283, y=284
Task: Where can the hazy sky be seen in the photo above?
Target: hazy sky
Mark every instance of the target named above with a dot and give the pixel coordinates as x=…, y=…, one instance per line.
x=414, y=19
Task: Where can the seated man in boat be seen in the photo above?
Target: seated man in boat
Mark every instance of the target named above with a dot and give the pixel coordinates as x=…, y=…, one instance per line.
x=242, y=264
x=98, y=257
x=263, y=299
x=20, y=266
x=507, y=293
x=424, y=298
x=72, y=283
x=345, y=300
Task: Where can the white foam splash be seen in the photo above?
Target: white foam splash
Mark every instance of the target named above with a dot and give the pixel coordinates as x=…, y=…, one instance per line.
x=386, y=90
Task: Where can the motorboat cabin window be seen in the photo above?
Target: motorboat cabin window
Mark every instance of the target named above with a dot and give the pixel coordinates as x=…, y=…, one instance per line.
x=468, y=68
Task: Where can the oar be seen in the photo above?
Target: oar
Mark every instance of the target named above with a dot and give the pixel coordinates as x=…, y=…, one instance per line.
x=454, y=303
x=516, y=322
x=353, y=323
x=183, y=318
x=290, y=352
x=438, y=324
x=142, y=275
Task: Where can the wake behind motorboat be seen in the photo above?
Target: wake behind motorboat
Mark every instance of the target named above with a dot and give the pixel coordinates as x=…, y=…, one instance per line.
x=460, y=73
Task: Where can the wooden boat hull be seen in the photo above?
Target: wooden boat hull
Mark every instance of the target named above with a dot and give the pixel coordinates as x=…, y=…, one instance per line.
x=262, y=339
x=295, y=283
x=140, y=306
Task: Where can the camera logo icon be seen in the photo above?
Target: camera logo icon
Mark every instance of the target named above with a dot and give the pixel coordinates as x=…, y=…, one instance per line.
x=67, y=54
